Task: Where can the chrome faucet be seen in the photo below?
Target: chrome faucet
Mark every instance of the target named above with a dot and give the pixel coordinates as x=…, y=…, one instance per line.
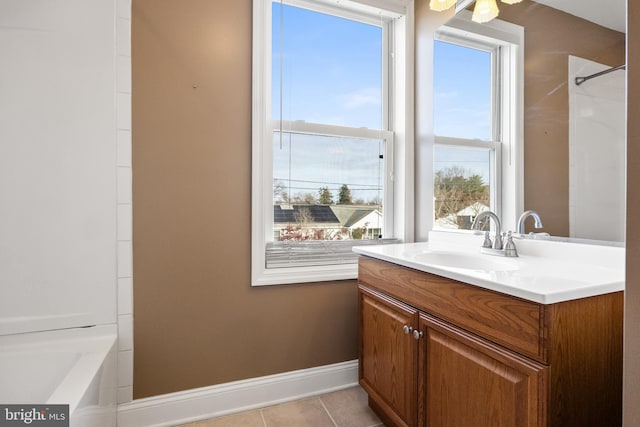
x=536, y=218
x=497, y=242
x=497, y=248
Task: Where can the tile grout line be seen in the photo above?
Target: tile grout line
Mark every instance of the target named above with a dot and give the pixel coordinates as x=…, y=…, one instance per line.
x=264, y=422
x=327, y=411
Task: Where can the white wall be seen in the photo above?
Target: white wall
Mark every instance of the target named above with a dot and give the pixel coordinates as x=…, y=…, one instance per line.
x=57, y=157
x=597, y=140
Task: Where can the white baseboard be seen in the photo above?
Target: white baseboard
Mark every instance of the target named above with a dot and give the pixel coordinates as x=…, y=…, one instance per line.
x=223, y=399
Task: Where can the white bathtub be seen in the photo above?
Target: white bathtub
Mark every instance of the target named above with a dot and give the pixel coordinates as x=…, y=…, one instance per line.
x=69, y=366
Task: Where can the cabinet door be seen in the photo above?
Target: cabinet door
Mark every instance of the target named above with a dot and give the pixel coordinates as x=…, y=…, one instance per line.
x=388, y=356
x=468, y=381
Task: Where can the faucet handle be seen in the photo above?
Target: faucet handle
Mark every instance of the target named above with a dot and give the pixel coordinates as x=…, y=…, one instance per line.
x=487, y=240
x=497, y=243
x=510, y=247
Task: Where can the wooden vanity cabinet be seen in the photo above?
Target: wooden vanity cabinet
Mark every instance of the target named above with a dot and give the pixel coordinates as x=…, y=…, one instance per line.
x=435, y=352
x=388, y=368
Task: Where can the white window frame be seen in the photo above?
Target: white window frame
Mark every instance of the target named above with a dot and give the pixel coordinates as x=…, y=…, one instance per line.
x=399, y=138
x=507, y=178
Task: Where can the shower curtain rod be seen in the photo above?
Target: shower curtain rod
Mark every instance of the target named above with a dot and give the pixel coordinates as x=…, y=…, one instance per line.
x=580, y=80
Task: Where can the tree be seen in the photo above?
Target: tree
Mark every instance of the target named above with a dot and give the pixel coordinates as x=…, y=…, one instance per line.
x=324, y=196
x=375, y=201
x=344, y=197
x=455, y=189
x=304, y=198
x=280, y=194
x=303, y=217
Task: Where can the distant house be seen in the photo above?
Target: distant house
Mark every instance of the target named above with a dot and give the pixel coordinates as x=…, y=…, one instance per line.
x=467, y=215
x=461, y=219
x=305, y=217
x=367, y=220
x=336, y=221
x=320, y=214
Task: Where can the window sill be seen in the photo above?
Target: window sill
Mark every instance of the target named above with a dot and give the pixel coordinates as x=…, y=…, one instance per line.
x=290, y=275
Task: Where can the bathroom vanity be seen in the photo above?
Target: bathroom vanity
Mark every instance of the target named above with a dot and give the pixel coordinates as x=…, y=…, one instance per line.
x=453, y=343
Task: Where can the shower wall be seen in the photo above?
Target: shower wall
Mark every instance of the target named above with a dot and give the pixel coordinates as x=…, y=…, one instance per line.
x=57, y=164
x=597, y=139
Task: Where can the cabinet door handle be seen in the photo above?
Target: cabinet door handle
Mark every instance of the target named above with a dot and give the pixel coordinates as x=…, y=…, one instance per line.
x=417, y=334
x=407, y=329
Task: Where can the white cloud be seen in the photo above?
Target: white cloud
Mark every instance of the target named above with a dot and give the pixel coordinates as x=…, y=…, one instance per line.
x=361, y=98
x=447, y=95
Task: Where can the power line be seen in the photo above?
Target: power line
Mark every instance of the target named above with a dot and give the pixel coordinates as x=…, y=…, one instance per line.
x=325, y=182
x=333, y=189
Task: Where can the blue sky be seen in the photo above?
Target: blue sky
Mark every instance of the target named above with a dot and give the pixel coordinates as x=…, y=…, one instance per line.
x=462, y=105
x=331, y=69
x=331, y=162
x=331, y=74
x=462, y=99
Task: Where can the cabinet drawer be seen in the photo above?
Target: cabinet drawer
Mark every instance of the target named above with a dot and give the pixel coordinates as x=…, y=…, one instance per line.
x=507, y=320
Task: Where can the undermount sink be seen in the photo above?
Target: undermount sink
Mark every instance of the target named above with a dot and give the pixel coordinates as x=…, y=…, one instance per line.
x=465, y=261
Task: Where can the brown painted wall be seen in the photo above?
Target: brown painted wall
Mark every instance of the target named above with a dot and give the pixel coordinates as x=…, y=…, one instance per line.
x=198, y=322
x=550, y=36
x=632, y=292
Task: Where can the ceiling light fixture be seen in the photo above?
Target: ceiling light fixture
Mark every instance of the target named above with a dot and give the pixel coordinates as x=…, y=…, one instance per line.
x=440, y=5
x=484, y=10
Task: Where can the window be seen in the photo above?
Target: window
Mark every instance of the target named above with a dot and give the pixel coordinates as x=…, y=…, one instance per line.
x=323, y=141
x=476, y=81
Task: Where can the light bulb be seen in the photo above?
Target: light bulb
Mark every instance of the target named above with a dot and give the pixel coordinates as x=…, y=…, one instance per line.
x=484, y=11
x=440, y=5
x=511, y=1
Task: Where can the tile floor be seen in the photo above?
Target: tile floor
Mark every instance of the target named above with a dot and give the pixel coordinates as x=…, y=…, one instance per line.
x=344, y=408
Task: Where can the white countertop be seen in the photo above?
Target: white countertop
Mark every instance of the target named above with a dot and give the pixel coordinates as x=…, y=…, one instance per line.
x=546, y=272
